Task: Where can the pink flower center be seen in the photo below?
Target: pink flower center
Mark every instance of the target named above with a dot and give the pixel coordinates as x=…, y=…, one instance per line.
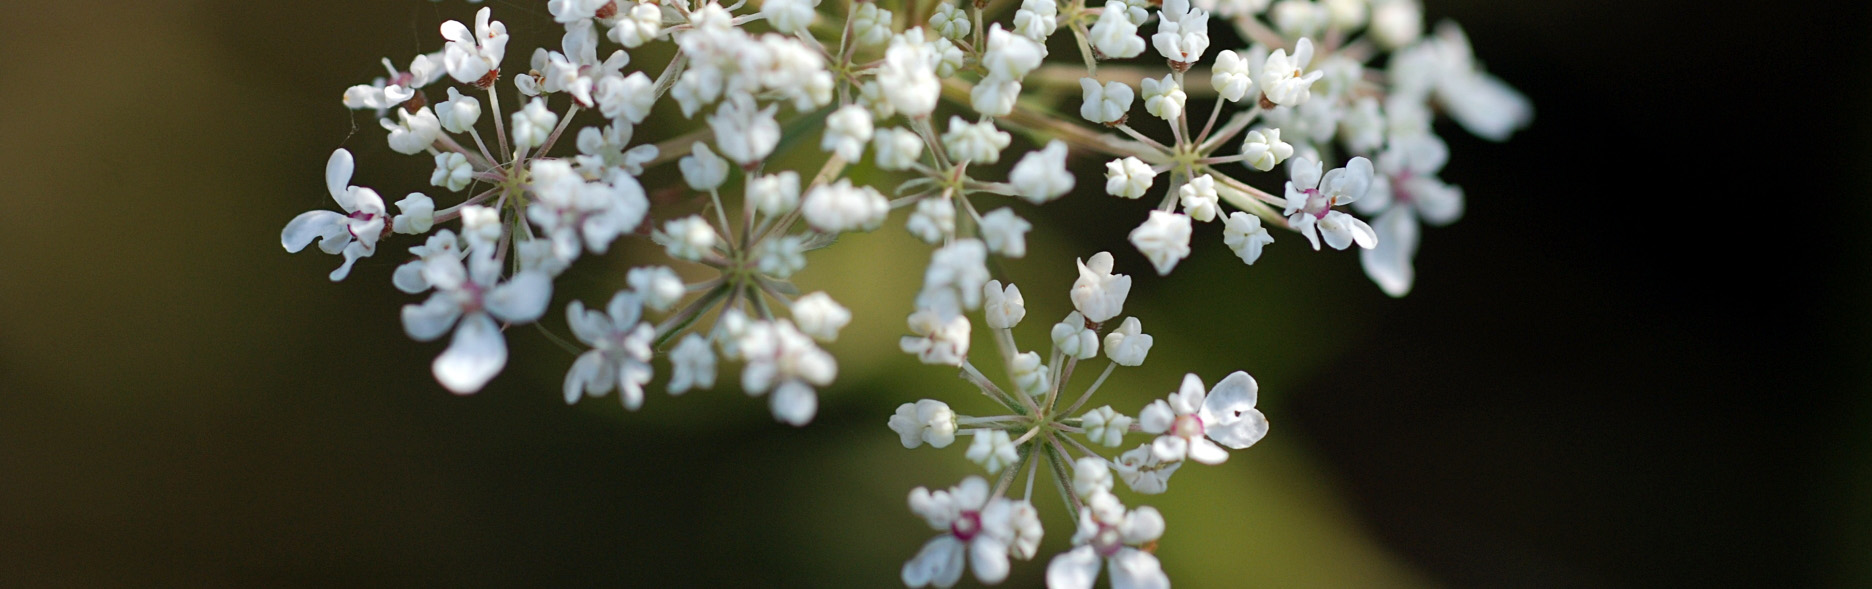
x=966, y=526
x=1316, y=204
x=1187, y=426
x=1107, y=541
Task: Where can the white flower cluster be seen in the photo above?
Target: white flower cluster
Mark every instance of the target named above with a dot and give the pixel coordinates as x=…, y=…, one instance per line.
x=1341, y=92
x=1191, y=424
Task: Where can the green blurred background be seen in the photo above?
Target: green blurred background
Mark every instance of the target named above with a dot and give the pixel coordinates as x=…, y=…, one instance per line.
x=1640, y=360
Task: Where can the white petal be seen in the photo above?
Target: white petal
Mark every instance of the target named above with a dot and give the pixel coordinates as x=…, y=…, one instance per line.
x=522, y=299
x=990, y=559
x=1135, y=569
x=582, y=374
x=1170, y=448
x=1389, y=264
x=1229, y=415
x=1076, y=569
x=430, y=319
x=309, y=225
x=409, y=278
x=1143, y=524
x=338, y=177
x=939, y=563
x=1156, y=417
x=1204, y=451
x=794, y=403
x=477, y=353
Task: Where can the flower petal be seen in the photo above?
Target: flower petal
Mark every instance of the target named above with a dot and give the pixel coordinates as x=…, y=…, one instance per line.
x=1204, y=451
x=477, y=353
x=794, y=403
x=990, y=559
x=1229, y=415
x=430, y=319
x=310, y=225
x=1075, y=569
x=1135, y=569
x=522, y=299
x=1389, y=264
x=338, y=177
x=939, y=563
x=582, y=375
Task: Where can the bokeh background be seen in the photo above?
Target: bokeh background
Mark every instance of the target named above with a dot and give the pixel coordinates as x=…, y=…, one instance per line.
x=1641, y=360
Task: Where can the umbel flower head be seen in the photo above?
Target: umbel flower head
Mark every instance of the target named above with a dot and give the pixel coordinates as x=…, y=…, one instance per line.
x=538, y=165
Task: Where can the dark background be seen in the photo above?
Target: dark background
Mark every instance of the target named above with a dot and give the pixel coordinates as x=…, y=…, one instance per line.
x=1639, y=360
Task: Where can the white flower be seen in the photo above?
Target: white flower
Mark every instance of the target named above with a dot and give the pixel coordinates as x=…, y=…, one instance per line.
x=1164, y=239
x=1036, y=19
x=473, y=294
x=780, y=257
x=1143, y=473
x=1106, y=427
x=1091, y=476
x=1363, y=127
x=993, y=450
x=1164, y=98
x=573, y=212
x=995, y=96
x=1347, y=14
x=626, y=98
x=620, y=354
x=744, y=134
x=774, y=194
x=789, y=16
x=1128, y=177
x=846, y=131
x=1299, y=18
x=925, y=422
x=1072, y=338
x=1244, y=235
x=971, y=526
x=481, y=226
x=1188, y=421
x=1283, y=79
x=933, y=220
x=416, y=214
x=897, y=149
x=532, y=124
x=702, y=169
x=692, y=365
x=907, y=77
x=1115, y=36
x=657, y=286
x=1029, y=373
x=949, y=22
x=1010, y=56
x=1128, y=344
x=938, y=340
x=1182, y=32
x=1396, y=23
x=1231, y=76
x=1105, y=104
x=414, y=132
x=1108, y=532
x=1407, y=190
x=1264, y=149
x=1310, y=200
x=573, y=11
x=870, y=25
x=784, y=361
x=1041, y=175
x=840, y=207
x=474, y=58
x=1199, y=198
x=1098, y=293
x=459, y=113
x=953, y=282
x=1021, y=523
x=1004, y=308
x=1481, y=103
x=819, y=316
x=1005, y=232
x=409, y=276
x=978, y=142
x=353, y=233
x=452, y=171
x=636, y=25
x=689, y=238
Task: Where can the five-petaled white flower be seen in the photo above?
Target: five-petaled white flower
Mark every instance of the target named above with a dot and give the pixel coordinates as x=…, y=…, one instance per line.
x=1108, y=532
x=1041, y=175
x=1243, y=234
x=1405, y=191
x=1128, y=177
x=1311, y=198
x=1164, y=239
x=474, y=294
x=973, y=527
x=1106, y=427
x=925, y=422
x=1164, y=98
x=1182, y=32
x=353, y=233
x=1105, y=104
x=1098, y=293
x=1189, y=420
x=1115, y=34
x=474, y=58
x=620, y=354
x=1283, y=79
